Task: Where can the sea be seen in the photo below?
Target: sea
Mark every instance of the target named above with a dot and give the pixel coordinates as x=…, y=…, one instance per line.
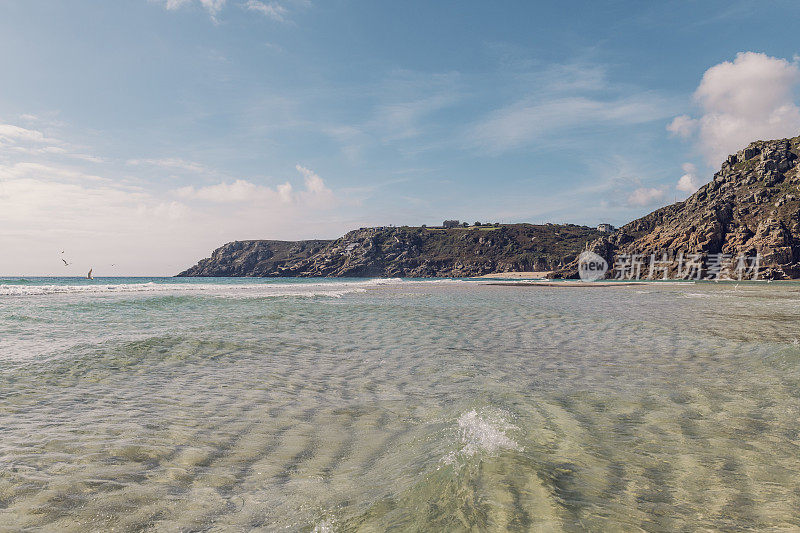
x=315, y=405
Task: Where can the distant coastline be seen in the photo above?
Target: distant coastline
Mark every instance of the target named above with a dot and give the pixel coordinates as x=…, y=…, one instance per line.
x=452, y=250
x=750, y=208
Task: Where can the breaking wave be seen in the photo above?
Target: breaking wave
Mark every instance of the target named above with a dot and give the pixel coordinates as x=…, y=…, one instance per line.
x=482, y=433
x=255, y=290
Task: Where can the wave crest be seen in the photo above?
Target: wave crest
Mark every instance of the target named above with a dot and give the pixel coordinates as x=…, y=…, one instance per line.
x=254, y=290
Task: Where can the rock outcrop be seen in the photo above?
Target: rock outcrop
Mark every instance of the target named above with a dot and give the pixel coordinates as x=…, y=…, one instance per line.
x=752, y=206
x=404, y=252
x=254, y=258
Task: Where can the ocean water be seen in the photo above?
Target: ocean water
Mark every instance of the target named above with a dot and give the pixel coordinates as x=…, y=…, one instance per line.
x=400, y=405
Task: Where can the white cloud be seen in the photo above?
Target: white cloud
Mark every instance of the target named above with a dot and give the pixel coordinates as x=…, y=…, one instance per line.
x=682, y=126
x=688, y=182
x=51, y=199
x=645, y=196
x=97, y=222
x=313, y=182
x=212, y=6
x=40, y=201
x=272, y=10
x=314, y=194
x=10, y=134
x=750, y=98
x=237, y=191
x=100, y=221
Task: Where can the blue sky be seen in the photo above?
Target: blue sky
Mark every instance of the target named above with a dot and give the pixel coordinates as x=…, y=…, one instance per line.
x=144, y=133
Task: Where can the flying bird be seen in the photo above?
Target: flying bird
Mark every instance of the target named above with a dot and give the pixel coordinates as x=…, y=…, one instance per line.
x=65, y=262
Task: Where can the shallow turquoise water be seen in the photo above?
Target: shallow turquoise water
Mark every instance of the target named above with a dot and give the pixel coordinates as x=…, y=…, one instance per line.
x=173, y=404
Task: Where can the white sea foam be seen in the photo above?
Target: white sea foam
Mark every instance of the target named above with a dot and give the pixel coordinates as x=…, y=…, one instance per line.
x=254, y=290
x=327, y=525
x=332, y=288
x=482, y=433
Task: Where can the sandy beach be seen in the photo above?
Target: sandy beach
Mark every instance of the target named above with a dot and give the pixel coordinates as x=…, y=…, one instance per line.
x=571, y=283
x=517, y=275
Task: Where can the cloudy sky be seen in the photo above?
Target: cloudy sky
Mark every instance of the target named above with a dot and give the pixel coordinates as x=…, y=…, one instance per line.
x=138, y=135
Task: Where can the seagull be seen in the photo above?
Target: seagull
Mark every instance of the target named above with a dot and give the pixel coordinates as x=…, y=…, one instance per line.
x=65, y=262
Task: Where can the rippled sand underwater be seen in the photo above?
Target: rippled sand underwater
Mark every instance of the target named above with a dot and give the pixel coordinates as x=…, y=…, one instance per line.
x=401, y=406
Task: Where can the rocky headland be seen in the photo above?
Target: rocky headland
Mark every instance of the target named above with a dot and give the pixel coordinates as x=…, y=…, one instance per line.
x=752, y=206
x=405, y=252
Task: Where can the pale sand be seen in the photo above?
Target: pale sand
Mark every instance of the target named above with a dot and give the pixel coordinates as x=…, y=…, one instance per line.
x=517, y=275
x=579, y=283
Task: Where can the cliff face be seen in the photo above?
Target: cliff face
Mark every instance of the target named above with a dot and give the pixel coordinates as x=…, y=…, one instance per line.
x=254, y=258
x=751, y=206
x=404, y=252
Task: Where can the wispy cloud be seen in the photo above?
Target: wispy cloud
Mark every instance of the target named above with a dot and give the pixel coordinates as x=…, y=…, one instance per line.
x=554, y=103
x=272, y=10
x=16, y=140
x=172, y=163
x=400, y=110
x=213, y=7
x=10, y=133
x=530, y=120
x=402, y=120
x=276, y=10
x=39, y=171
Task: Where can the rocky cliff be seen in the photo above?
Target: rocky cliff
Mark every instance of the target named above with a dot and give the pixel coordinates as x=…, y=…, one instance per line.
x=255, y=258
x=752, y=206
x=404, y=252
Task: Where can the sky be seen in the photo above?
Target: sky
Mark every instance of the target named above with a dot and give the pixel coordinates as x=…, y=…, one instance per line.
x=136, y=136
